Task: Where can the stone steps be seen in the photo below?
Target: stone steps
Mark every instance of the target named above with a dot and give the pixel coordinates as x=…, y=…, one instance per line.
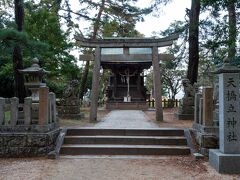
x=87, y=149
x=130, y=140
x=125, y=132
x=92, y=141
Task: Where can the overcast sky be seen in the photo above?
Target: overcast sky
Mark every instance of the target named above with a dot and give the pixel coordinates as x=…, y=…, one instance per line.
x=168, y=14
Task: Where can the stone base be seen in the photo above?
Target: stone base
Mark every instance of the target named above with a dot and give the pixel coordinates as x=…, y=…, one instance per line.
x=214, y=130
x=127, y=105
x=34, y=128
x=206, y=137
x=25, y=144
x=224, y=163
x=72, y=116
x=184, y=116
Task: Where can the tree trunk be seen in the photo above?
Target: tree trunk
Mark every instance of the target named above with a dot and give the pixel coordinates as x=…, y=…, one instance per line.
x=84, y=80
x=192, y=73
x=232, y=30
x=94, y=35
x=19, y=88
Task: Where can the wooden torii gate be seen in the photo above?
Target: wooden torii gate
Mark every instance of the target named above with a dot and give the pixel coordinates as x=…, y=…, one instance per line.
x=152, y=43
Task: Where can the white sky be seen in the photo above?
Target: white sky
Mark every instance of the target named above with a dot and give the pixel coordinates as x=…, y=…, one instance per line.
x=168, y=14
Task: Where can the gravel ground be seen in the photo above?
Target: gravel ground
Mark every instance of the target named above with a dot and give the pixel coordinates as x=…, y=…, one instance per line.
x=109, y=168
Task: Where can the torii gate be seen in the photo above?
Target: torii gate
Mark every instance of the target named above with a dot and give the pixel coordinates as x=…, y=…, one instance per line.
x=152, y=43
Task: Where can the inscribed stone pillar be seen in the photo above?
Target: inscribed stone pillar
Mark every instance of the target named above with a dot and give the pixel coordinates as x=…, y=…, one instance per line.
x=27, y=110
x=95, y=85
x=226, y=159
x=14, y=111
x=229, y=113
x=43, y=106
x=197, y=107
x=2, y=111
x=208, y=106
x=157, y=84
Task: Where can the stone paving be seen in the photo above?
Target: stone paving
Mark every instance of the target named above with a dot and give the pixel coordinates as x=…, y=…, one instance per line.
x=126, y=119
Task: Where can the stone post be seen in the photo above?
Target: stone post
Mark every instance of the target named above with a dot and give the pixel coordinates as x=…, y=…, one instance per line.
x=95, y=85
x=201, y=111
x=14, y=111
x=2, y=111
x=27, y=110
x=157, y=84
x=197, y=107
x=52, y=107
x=43, y=106
x=208, y=106
x=226, y=159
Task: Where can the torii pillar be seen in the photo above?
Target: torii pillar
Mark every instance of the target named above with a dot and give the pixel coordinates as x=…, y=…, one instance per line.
x=95, y=85
x=157, y=84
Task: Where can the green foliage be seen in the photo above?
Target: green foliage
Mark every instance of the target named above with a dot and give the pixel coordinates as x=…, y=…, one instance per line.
x=43, y=38
x=56, y=87
x=43, y=25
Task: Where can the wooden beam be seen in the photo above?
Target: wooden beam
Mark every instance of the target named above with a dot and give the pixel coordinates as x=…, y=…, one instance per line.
x=157, y=84
x=95, y=86
x=127, y=58
x=126, y=42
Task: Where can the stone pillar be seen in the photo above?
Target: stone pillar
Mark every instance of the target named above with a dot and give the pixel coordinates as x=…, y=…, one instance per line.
x=201, y=111
x=197, y=107
x=43, y=106
x=52, y=107
x=208, y=106
x=95, y=85
x=157, y=84
x=216, y=103
x=14, y=111
x=2, y=110
x=27, y=110
x=226, y=159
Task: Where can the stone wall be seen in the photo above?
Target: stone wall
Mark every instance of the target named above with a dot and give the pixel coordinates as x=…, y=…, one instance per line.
x=27, y=144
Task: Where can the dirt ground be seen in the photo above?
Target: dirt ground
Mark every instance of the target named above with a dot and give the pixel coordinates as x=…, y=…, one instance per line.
x=109, y=168
x=169, y=119
x=112, y=167
x=84, y=122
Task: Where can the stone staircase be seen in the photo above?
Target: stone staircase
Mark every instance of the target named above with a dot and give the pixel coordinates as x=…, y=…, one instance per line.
x=92, y=141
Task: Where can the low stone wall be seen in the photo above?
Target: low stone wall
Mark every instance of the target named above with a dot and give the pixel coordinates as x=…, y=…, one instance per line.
x=27, y=144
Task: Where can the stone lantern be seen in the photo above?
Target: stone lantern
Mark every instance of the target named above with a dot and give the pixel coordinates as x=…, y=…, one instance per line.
x=33, y=78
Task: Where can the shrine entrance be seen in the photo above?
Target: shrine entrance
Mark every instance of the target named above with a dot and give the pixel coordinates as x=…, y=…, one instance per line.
x=126, y=88
x=126, y=58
